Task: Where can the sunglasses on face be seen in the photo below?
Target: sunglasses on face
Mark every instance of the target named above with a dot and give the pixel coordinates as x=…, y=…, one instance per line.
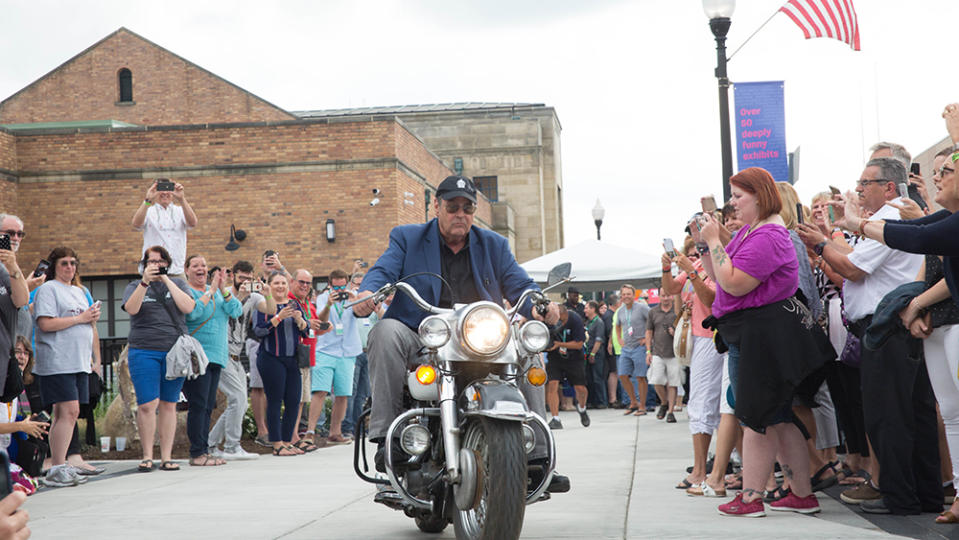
x=11, y=234
x=302, y=282
x=468, y=208
x=339, y=287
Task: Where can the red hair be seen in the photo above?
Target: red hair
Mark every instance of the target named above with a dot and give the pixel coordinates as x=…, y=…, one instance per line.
x=760, y=183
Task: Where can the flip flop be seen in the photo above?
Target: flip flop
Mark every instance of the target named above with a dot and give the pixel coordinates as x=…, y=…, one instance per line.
x=306, y=446
x=145, y=466
x=289, y=451
x=169, y=466
x=630, y=410
x=685, y=484
x=208, y=461
x=639, y=412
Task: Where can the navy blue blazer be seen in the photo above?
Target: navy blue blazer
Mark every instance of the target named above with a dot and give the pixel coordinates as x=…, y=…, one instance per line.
x=416, y=248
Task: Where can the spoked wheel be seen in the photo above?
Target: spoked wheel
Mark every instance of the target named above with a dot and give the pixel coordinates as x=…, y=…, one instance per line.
x=501, y=481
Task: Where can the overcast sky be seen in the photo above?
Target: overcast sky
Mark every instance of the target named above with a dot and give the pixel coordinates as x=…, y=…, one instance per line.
x=631, y=81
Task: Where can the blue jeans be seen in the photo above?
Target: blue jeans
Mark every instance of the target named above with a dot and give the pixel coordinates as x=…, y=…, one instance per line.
x=201, y=395
x=281, y=383
x=361, y=391
x=597, y=391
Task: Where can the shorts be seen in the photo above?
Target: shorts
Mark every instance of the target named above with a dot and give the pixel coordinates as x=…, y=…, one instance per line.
x=148, y=373
x=611, y=360
x=305, y=384
x=64, y=387
x=632, y=362
x=335, y=371
x=665, y=371
x=572, y=370
x=252, y=347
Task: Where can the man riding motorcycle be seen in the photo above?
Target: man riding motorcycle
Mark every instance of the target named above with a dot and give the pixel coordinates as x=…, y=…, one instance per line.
x=475, y=264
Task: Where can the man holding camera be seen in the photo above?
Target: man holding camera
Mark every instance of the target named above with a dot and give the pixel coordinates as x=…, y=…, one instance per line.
x=165, y=224
x=336, y=353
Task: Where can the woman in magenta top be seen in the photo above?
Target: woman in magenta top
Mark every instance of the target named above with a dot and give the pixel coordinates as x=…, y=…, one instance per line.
x=772, y=347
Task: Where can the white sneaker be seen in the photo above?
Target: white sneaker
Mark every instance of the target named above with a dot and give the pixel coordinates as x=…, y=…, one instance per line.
x=238, y=454
x=214, y=452
x=61, y=476
x=81, y=479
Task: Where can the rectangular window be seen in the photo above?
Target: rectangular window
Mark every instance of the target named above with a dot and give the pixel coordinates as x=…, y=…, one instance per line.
x=488, y=186
x=114, y=322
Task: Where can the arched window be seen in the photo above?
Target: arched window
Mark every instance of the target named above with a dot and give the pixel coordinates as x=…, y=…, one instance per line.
x=125, y=77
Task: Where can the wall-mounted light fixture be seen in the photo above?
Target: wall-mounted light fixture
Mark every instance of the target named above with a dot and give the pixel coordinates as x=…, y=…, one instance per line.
x=235, y=236
x=330, y=230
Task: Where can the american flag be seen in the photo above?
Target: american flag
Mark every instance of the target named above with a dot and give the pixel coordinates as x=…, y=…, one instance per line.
x=834, y=19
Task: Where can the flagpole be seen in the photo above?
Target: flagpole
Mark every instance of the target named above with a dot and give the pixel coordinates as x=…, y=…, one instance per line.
x=730, y=57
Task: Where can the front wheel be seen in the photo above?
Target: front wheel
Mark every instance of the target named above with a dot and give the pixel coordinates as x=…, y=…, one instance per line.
x=501, y=473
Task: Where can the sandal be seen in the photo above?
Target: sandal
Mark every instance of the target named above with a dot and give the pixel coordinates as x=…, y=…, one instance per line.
x=282, y=451
x=736, y=482
x=947, y=517
x=705, y=490
x=306, y=446
x=819, y=483
x=685, y=484
x=169, y=466
x=145, y=466
x=630, y=410
x=639, y=412
x=208, y=461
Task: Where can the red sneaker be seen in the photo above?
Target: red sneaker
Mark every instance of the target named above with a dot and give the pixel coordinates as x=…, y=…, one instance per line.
x=737, y=507
x=792, y=503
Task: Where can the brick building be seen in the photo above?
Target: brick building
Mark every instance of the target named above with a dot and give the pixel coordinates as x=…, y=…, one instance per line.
x=80, y=146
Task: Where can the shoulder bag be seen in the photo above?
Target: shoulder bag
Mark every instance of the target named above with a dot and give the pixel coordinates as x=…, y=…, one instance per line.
x=683, y=337
x=186, y=358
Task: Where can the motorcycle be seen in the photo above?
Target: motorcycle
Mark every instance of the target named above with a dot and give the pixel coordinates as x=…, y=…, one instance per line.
x=468, y=430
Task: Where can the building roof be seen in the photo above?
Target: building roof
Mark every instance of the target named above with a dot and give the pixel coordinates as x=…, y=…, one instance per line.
x=410, y=109
x=73, y=124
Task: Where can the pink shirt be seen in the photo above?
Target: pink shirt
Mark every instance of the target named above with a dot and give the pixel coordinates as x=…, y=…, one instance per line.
x=700, y=311
x=768, y=255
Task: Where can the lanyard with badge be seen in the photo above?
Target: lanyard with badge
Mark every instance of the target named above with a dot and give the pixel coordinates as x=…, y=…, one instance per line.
x=629, y=317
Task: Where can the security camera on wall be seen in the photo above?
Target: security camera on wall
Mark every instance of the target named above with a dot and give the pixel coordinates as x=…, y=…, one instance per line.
x=376, y=200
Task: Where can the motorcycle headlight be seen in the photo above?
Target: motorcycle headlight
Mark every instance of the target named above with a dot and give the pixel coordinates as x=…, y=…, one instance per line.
x=534, y=336
x=415, y=439
x=434, y=332
x=485, y=329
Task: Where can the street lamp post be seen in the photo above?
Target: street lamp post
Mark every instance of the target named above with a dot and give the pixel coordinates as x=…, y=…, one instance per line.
x=598, y=214
x=719, y=12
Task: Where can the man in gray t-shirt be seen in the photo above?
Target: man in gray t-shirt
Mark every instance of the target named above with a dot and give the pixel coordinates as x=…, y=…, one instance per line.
x=631, y=332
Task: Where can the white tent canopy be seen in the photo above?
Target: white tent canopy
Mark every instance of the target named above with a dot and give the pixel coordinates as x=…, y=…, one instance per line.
x=598, y=266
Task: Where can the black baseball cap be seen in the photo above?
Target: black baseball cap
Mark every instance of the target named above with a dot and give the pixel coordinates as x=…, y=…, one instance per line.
x=572, y=290
x=456, y=186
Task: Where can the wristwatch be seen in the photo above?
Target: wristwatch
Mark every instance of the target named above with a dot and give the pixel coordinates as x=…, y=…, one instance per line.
x=817, y=249
x=694, y=275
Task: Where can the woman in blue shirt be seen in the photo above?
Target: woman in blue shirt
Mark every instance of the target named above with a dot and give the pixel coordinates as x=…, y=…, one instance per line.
x=276, y=362
x=209, y=324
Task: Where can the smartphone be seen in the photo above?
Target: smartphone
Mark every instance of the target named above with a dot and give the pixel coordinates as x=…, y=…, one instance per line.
x=913, y=192
x=162, y=270
x=800, y=218
x=708, y=203
x=915, y=169
x=5, y=242
x=364, y=264
x=41, y=268
x=903, y=190
x=6, y=484
x=669, y=247
x=164, y=184
x=835, y=190
x=832, y=214
x=324, y=325
x=42, y=416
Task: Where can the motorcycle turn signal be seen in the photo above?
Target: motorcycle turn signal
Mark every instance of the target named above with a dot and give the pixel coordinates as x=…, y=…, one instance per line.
x=426, y=374
x=536, y=376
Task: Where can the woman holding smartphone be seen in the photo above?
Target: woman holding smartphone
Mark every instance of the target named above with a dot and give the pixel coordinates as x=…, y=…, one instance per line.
x=65, y=340
x=157, y=305
x=280, y=334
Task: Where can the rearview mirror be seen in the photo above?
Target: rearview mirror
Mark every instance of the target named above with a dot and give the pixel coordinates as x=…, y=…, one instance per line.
x=558, y=273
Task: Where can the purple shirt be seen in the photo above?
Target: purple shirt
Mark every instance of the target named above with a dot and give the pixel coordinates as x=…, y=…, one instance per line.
x=768, y=255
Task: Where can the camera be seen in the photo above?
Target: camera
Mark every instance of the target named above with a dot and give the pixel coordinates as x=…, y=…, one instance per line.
x=341, y=296
x=376, y=191
x=375, y=201
x=162, y=270
x=164, y=184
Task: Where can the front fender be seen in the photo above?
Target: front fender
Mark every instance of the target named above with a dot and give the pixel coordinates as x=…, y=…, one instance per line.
x=495, y=399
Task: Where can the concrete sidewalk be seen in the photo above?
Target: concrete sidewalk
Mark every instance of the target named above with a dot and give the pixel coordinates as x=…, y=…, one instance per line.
x=623, y=470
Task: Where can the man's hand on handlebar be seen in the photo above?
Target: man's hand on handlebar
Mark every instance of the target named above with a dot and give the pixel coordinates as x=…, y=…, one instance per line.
x=363, y=309
x=552, y=314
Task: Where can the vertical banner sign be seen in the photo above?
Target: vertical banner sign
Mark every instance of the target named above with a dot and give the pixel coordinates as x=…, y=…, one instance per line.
x=761, y=128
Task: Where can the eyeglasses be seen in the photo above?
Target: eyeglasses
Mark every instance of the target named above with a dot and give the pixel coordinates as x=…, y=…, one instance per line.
x=468, y=208
x=156, y=261
x=74, y=262
x=339, y=287
x=945, y=170
x=862, y=183
x=303, y=282
x=19, y=234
